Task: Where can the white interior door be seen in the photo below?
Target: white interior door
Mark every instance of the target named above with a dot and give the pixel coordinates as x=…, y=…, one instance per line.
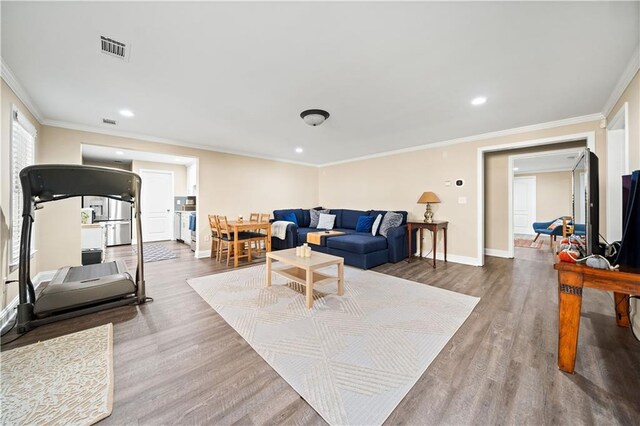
x=157, y=205
x=524, y=204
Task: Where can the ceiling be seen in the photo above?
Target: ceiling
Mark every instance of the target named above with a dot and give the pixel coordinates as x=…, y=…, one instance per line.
x=235, y=76
x=107, y=154
x=547, y=162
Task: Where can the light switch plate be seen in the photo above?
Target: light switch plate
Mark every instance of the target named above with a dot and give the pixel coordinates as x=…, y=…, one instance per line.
x=447, y=183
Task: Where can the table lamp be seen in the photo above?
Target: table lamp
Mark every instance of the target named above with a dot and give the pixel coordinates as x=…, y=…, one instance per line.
x=428, y=198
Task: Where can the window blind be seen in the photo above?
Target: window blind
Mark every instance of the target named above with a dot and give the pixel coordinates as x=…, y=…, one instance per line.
x=23, y=138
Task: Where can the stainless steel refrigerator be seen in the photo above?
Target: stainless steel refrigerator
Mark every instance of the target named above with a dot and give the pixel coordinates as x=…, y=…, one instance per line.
x=116, y=215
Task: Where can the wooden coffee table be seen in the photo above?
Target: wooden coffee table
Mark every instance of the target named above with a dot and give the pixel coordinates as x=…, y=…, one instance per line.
x=303, y=270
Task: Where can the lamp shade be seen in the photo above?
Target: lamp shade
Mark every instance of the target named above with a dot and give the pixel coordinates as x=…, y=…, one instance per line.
x=428, y=197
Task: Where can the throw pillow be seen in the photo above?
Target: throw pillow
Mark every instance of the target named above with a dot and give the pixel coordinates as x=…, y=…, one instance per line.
x=315, y=215
x=390, y=220
x=326, y=221
x=376, y=225
x=364, y=223
x=290, y=217
x=557, y=222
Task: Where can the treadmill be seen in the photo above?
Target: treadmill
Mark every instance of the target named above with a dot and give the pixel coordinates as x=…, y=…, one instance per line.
x=77, y=290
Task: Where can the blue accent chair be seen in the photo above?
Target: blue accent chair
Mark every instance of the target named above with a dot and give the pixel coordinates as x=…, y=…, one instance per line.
x=543, y=228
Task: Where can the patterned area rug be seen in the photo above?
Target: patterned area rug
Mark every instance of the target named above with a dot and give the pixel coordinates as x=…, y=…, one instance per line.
x=63, y=381
x=155, y=253
x=521, y=240
x=352, y=358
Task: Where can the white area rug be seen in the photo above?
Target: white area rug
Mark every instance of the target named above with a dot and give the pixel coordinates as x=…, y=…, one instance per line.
x=352, y=358
x=63, y=381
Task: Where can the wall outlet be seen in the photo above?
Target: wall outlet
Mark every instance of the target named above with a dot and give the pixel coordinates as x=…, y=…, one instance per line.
x=462, y=200
x=447, y=183
x=207, y=238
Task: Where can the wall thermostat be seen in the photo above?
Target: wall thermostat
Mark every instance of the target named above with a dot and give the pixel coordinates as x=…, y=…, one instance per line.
x=459, y=182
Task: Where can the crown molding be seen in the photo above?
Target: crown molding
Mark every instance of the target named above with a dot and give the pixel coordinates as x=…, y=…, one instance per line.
x=21, y=93
x=517, y=130
x=148, y=138
x=627, y=75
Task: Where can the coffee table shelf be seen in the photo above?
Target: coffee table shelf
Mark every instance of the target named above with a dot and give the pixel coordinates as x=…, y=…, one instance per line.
x=299, y=275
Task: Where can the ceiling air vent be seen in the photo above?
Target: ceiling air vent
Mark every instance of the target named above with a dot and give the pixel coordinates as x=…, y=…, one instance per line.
x=109, y=121
x=114, y=48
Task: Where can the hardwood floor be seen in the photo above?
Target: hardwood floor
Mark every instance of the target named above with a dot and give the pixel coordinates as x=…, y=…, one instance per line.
x=178, y=362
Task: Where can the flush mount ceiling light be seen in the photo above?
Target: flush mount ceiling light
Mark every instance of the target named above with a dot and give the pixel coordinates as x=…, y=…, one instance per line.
x=126, y=113
x=314, y=117
x=479, y=100
x=299, y=150
x=119, y=153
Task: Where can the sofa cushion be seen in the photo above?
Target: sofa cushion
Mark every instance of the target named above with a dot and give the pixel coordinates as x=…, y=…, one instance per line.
x=306, y=218
x=279, y=215
x=345, y=230
x=338, y=214
x=290, y=217
x=364, y=223
x=326, y=221
x=390, y=220
x=404, y=214
x=314, y=215
x=350, y=218
x=361, y=243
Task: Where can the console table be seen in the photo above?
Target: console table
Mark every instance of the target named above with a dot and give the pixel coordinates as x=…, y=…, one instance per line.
x=572, y=279
x=433, y=227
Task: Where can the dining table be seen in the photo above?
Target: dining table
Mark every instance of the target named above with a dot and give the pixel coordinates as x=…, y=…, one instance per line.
x=244, y=226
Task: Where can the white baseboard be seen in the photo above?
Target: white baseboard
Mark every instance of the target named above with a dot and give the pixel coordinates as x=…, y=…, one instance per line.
x=203, y=253
x=497, y=253
x=9, y=311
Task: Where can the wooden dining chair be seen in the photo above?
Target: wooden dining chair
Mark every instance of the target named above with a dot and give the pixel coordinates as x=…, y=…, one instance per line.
x=215, y=235
x=227, y=238
x=261, y=238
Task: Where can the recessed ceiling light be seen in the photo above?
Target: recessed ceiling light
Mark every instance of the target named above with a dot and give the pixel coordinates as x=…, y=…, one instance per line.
x=119, y=152
x=299, y=150
x=126, y=113
x=176, y=159
x=479, y=100
x=515, y=169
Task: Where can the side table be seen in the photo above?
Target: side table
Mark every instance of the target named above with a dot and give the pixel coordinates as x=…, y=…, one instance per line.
x=433, y=227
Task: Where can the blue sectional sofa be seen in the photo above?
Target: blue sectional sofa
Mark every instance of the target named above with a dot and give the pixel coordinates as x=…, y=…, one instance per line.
x=360, y=249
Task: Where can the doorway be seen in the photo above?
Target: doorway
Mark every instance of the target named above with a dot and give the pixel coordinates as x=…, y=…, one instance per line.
x=157, y=205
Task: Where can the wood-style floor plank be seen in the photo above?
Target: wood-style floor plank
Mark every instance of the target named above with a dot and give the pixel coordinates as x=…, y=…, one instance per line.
x=178, y=362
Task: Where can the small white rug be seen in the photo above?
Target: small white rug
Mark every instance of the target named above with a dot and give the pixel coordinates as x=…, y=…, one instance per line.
x=63, y=381
x=352, y=358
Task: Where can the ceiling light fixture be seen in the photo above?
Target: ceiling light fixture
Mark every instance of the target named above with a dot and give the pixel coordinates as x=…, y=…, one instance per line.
x=479, y=100
x=515, y=169
x=119, y=153
x=314, y=117
x=299, y=150
x=126, y=113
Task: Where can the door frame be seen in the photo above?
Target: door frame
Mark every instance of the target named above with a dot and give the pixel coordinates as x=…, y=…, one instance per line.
x=169, y=172
x=621, y=118
x=512, y=158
